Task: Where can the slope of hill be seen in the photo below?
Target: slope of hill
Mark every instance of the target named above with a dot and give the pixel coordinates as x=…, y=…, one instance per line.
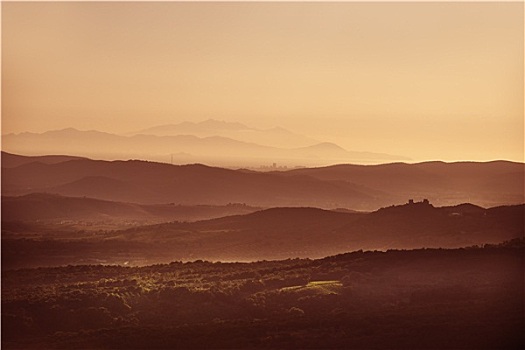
x=484, y=183
x=341, y=186
x=309, y=232
x=418, y=299
x=146, y=182
x=48, y=208
x=277, y=233
x=10, y=160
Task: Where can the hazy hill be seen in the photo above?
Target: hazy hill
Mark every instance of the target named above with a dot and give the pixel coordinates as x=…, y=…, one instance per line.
x=13, y=160
x=215, y=150
x=147, y=182
x=340, y=186
x=275, y=137
x=208, y=127
x=55, y=208
x=277, y=233
x=309, y=232
x=484, y=183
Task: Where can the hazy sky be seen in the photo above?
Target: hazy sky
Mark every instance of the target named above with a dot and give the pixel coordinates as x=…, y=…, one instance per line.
x=425, y=80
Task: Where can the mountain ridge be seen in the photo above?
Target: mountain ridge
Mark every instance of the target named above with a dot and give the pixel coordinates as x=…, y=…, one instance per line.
x=214, y=149
x=342, y=186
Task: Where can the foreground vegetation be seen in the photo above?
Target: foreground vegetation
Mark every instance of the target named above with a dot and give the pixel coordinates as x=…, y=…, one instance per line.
x=427, y=298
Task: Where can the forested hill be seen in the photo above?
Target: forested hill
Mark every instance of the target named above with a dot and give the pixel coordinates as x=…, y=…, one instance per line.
x=277, y=233
x=421, y=299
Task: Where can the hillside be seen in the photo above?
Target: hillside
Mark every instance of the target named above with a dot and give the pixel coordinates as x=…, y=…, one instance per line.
x=276, y=233
x=483, y=183
x=51, y=208
x=154, y=183
x=308, y=232
x=341, y=186
x=420, y=299
x=10, y=160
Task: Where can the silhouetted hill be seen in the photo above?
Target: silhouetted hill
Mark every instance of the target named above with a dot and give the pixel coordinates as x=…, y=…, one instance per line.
x=104, y=187
x=282, y=218
x=402, y=226
x=482, y=183
x=340, y=186
x=277, y=233
x=53, y=208
x=275, y=137
x=147, y=182
x=209, y=149
x=464, y=208
x=309, y=232
x=210, y=127
x=13, y=160
x=326, y=147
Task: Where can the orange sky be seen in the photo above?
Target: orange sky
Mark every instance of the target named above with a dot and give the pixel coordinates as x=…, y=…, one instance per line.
x=424, y=80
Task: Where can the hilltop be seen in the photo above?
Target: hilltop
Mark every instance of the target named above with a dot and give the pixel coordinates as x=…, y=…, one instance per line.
x=276, y=233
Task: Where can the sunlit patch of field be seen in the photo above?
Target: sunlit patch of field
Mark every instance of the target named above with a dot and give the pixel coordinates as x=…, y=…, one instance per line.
x=317, y=287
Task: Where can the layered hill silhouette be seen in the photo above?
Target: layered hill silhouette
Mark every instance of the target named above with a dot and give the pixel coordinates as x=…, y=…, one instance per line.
x=342, y=186
x=484, y=183
x=275, y=137
x=154, y=183
x=10, y=160
x=182, y=148
x=42, y=207
x=309, y=232
x=277, y=233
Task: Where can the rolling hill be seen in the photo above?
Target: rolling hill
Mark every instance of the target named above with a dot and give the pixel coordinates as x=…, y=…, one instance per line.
x=50, y=208
x=10, y=160
x=154, y=183
x=341, y=186
x=280, y=233
x=276, y=233
x=484, y=183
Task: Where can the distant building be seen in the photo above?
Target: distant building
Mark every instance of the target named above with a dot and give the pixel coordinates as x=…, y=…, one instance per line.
x=424, y=202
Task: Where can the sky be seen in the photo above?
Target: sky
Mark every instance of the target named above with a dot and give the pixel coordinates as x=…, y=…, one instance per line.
x=431, y=81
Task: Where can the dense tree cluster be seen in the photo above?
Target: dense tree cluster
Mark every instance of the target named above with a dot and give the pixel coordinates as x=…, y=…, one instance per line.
x=428, y=298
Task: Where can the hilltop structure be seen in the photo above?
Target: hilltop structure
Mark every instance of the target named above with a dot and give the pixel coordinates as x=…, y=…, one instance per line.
x=423, y=202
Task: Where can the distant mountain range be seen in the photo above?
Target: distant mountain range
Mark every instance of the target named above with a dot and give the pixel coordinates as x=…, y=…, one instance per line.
x=342, y=186
x=274, y=137
x=210, y=142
